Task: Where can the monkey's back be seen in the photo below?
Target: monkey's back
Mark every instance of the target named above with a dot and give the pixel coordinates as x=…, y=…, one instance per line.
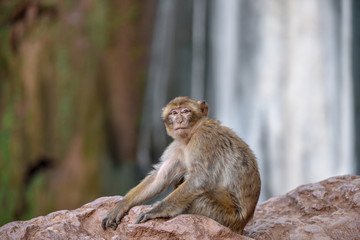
x=229, y=162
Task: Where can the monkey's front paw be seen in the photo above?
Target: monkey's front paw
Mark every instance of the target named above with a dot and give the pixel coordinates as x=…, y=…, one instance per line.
x=108, y=222
x=144, y=217
x=112, y=220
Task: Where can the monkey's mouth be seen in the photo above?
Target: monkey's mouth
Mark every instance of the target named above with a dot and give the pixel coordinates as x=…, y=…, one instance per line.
x=179, y=128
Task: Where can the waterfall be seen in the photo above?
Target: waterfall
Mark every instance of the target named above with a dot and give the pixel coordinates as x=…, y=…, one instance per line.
x=277, y=72
x=283, y=83
x=198, y=50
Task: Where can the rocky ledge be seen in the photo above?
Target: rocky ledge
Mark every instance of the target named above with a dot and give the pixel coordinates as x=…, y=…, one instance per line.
x=329, y=209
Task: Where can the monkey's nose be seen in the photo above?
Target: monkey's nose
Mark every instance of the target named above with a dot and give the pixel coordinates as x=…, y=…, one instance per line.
x=179, y=120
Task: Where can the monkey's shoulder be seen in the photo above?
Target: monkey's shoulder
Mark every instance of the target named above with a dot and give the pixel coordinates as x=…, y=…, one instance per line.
x=212, y=136
x=211, y=132
x=214, y=127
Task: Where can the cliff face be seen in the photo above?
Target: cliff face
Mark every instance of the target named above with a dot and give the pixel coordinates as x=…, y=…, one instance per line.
x=329, y=209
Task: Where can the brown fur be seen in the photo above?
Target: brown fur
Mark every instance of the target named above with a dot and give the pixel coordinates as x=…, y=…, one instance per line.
x=215, y=173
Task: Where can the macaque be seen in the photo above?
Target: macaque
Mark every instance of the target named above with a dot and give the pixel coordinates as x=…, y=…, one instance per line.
x=214, y=172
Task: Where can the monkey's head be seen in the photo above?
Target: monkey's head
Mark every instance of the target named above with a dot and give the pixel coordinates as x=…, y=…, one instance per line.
x=181, y=115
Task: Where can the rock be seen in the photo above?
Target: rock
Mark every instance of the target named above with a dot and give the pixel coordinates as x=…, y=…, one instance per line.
x=329, y=209
x=84, y=223
x=326, y=210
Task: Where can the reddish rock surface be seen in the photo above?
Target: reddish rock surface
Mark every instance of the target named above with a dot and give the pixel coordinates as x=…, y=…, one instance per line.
x=84, y=223
x=329, y=209
x=326, y=210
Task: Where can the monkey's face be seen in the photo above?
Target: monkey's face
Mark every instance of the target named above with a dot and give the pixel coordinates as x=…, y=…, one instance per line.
x=181, y=114
x=180, y=119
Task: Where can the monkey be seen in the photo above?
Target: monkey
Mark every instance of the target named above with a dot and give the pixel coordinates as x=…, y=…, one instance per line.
x=214, y=172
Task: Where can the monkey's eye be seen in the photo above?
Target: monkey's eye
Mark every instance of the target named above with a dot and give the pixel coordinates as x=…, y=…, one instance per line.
x=173, y=112
x=185, y=110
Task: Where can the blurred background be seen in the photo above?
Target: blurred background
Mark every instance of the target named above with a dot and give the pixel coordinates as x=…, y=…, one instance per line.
x=82, y=84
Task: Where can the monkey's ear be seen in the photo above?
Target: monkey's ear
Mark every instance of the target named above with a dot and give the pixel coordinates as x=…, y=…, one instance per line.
x=163, y=113
x=204, y=108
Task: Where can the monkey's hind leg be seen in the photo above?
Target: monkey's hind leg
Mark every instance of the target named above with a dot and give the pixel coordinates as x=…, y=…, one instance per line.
x=224, y=211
